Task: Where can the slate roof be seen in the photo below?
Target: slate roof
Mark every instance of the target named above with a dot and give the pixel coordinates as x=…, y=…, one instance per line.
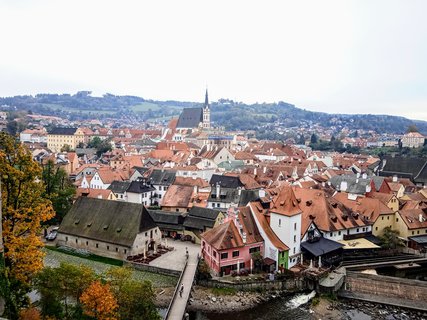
x=141, y=170
x=404, y=167
x=139, y=187
x=227, y=195
x=354, y=185
x=231, y=165
x=63, y=131
x=190, y=118
x=321, y=247
x=225, y=181
x=162, y=177
x=167, y=220
x=109, y=221
x=201, y=218
x=248, y=196
x=119, y=186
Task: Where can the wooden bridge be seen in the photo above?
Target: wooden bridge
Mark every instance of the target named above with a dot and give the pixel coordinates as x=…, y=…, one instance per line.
x=178, y=304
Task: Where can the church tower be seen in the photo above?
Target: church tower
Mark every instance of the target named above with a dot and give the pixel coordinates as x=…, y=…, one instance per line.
x=206, y=113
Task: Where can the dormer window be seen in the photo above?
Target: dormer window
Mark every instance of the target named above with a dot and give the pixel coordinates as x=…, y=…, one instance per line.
x=105, y=227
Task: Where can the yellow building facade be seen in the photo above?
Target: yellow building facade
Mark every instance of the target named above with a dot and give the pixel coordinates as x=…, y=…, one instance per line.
x=58, y=138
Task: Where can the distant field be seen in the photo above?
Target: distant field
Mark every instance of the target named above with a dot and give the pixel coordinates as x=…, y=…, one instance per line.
x=75, y=110
x=145, y=106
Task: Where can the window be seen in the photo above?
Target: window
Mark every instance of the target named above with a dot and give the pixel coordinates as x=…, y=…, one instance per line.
x=339, y=233
x=330, y=234
x=214, y=254
x=280, y=222
x=388, y=218
x=235, y=254
x=256, y=249
x=382, y=218
x=146, y=234
x=224, y=255
x=357, y=230
x=397, y=219
x=295, y=226
x=108, y=247
x=413, y=232
x=217, y=205
x=125, y=251
x=66, y=239
x=87, y=243
x=295, y=238
x=242, y=265
x=418, y=232
x=376, y=228
x=294, y=251
x=117, y=249
x=77, y=241
x=97, y=245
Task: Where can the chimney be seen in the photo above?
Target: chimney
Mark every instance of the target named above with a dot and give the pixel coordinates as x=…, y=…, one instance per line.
x=394, y=178
x=264, y=170
x=420, y=217
x=99, y=196
x=239, y=191
x=343, y=186
x=218, y=190
x=261, y=193
x=196, y=190
x=358, y=175
x=254, y=171
x=364, y=176
x=244, y=237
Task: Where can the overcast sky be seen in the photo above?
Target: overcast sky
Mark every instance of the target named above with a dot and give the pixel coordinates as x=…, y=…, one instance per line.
x=362, y=56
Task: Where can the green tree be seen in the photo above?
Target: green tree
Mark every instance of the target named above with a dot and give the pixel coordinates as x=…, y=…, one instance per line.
x=59, y=189
x=412, y=128
x=135, y=298
x=60, y=289
x=390, y=239
x=23, y=210
x=313, y=139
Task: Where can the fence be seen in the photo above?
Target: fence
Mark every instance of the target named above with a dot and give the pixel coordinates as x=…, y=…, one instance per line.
x=176, y=289
x=296, y=284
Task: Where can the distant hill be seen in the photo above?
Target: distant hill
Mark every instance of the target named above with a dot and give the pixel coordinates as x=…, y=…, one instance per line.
x=265, y=117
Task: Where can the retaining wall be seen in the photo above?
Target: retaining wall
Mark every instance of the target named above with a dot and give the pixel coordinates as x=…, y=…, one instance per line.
x=291, y=285
x=412, y=291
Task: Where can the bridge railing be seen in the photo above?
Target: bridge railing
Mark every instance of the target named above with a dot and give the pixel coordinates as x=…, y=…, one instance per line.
x=176, y=289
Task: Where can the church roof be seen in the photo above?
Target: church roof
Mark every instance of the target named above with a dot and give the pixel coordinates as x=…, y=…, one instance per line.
x=190, y=118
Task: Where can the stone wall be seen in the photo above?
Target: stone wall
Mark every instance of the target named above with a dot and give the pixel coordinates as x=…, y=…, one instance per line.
x=387, y=287
x=290, y=285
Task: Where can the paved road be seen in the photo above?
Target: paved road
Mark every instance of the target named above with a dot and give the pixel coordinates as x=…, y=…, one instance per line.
x=175, y=260
x=179, y=304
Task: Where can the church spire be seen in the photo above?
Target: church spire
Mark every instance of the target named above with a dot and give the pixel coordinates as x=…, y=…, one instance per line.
x=206, y=99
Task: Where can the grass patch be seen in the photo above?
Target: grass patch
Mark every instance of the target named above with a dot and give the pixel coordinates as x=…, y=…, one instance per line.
x=93, y=257
x=54, y=256
x=145, y=106
x=224, y=291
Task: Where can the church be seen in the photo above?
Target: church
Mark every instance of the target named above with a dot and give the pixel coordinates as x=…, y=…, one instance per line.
x=195, y=118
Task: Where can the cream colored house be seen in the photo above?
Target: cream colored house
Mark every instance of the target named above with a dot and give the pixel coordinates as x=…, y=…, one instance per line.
x=412, y=222
x=413, y=140
x=58, y=138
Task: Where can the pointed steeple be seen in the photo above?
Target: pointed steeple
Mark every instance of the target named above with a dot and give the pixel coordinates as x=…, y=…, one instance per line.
x=206, y=99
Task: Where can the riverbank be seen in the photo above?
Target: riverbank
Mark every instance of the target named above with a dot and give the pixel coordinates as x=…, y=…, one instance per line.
x=217, y=300
x=326, y=309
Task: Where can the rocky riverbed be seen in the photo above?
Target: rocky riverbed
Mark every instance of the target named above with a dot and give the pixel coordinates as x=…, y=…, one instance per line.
x=206, y=300
x=353, y=309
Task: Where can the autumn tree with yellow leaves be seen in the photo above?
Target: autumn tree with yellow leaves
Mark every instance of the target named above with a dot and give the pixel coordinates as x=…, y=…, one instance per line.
x=99, y=302
x=24, y=209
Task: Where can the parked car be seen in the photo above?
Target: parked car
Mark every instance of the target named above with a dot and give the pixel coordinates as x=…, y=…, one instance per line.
x=52, y=235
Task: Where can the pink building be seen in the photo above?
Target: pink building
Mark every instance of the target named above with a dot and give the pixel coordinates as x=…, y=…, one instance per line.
x=230, y=245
